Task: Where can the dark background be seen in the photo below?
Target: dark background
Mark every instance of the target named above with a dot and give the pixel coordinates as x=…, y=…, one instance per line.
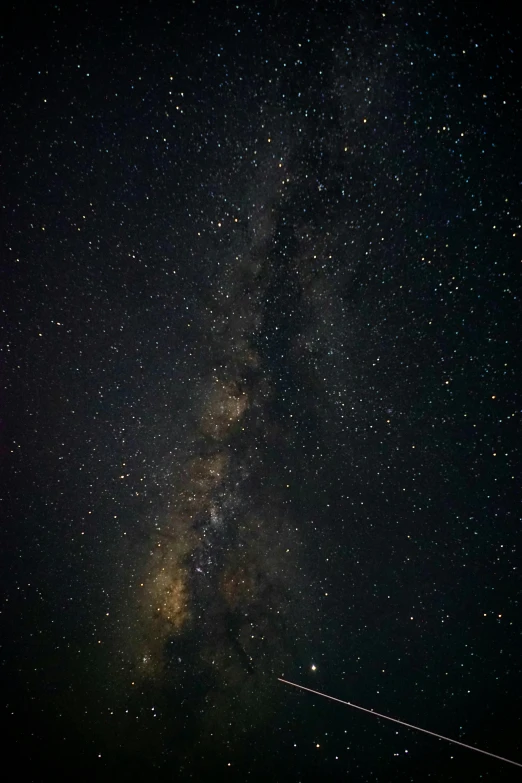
x=129, y=133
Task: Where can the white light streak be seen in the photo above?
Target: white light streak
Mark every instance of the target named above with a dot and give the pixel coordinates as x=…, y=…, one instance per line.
x=401, y=722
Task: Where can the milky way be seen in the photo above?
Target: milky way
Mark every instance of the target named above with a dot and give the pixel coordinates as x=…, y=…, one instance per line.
x=227, y=560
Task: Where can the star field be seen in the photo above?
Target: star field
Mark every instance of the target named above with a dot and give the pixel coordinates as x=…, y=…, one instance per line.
x=260, y=409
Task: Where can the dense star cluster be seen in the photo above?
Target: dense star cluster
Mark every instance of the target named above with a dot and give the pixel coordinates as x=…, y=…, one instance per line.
x=259, y=363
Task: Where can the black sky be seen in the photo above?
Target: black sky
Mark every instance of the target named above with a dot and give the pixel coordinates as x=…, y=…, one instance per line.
x=260, y=397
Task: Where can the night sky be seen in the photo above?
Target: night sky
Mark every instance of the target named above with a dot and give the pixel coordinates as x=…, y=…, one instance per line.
x=259, y=392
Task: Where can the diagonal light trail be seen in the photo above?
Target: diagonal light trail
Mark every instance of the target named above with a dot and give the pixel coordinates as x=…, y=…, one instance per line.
x=401, y=722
